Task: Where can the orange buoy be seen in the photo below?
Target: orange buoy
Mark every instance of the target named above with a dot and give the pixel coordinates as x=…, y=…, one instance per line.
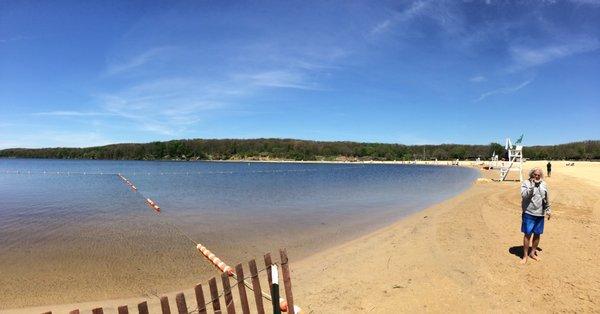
x=217, y=262
x=153, y=205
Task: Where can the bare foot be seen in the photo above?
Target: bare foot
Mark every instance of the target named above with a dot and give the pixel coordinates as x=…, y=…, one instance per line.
x=523, y=261
x=534, y=256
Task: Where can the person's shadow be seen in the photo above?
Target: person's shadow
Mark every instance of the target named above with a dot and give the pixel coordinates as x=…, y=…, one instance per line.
x=518, y=251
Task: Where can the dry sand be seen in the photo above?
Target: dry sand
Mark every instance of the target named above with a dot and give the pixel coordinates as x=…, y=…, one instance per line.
x=460, y=256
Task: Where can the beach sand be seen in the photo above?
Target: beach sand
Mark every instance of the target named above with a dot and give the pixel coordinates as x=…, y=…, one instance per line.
x=460, y=255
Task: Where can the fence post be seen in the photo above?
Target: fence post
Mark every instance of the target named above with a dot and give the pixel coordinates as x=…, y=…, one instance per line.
x=268, y=264
x=98, y=311
x=143, y=308
x=214, y=294
x=227, y=294
x=275, y=290
x=256, y=287
x=287, y=282
x=123, y=309
x=181, y=305
x=239, y=270
x=164, y=305
x=200, y=299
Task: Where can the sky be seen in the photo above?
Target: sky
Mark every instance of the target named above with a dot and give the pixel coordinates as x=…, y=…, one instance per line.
x=88, y=73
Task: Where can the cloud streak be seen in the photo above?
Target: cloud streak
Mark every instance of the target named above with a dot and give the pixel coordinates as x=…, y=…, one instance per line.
x=526, y=57
x=278, y=79
x=478, y=79
x=504, y=90
x=164, y=106
x=52, y=138
x=150, y=55
x=415, y=9
x=69, y=113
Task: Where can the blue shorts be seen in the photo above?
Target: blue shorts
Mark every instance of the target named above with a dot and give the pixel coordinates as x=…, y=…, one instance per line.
x=532, y=224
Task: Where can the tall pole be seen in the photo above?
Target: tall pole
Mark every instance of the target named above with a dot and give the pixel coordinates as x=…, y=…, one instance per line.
x=275, y=289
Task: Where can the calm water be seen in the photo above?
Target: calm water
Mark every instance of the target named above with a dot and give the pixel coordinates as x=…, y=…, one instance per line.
x=94, y=229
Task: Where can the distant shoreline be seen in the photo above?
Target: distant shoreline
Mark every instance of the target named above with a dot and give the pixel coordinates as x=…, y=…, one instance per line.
x=282, y=161
x=294, y=149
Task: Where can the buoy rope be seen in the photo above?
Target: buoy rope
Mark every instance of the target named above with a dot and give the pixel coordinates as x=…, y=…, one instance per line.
x=214, y=260
x=152, y=204
x=135, y=173
x=152, y=173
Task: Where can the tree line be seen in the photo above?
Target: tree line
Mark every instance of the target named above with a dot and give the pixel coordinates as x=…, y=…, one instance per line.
x=292, y=149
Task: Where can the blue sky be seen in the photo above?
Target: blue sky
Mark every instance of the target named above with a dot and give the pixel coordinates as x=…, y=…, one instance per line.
x=86, y=73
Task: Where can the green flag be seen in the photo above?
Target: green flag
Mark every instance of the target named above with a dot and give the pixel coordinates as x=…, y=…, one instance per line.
x=519, y=140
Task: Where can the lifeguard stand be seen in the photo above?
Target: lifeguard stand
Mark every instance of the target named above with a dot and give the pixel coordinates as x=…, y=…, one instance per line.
x=494, y=161
x=515, y=159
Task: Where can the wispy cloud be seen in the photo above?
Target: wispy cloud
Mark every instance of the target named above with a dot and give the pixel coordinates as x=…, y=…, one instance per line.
x=504, y=90
x=447, y=15
x=55, y=139
x=415, y=9
x=525, y=57
x=15, y=38
x=165, y=106
x=68, y=113
x=587, y=2
x=478, y=79
x=141, y=59
x=279, y=79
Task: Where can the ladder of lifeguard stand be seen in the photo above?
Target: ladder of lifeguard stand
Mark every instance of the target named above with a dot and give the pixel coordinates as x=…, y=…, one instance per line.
x=505, y=170
x=515, y=155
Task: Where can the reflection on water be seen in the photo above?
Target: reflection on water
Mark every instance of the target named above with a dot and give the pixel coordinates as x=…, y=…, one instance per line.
x=80, y=237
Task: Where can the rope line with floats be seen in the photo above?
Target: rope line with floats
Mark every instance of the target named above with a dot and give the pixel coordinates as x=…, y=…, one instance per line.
x=210, y=256
x=152, y=173
x=108, y=173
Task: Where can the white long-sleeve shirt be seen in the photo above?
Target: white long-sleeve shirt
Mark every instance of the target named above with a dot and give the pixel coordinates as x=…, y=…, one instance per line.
x=534, y=197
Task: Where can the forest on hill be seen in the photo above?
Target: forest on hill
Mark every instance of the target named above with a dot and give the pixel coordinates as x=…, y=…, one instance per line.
x=292, y=149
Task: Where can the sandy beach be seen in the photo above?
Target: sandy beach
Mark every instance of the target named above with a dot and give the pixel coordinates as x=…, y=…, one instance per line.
x=460, y=255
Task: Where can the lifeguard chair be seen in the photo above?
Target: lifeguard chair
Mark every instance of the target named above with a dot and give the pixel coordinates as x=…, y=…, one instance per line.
x=494, y=160
x=515, y=159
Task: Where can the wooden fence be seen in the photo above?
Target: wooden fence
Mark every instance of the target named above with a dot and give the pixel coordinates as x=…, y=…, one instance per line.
x=202, y=302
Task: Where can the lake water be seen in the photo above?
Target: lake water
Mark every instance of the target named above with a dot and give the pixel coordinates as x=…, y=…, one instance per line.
x=72, y=236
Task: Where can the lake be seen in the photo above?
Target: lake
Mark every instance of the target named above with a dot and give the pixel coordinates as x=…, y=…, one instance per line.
x=72, y=231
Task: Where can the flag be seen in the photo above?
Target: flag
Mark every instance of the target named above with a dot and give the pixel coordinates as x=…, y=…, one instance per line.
x=519, y=140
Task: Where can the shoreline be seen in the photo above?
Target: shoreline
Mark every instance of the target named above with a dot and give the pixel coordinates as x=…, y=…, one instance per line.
x=454, y=255
x=461, y=256
x=132, y=301
x=393, y=162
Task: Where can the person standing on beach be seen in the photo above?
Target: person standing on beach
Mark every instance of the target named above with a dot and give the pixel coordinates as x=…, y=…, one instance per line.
x=535, y=205
x=548, y=168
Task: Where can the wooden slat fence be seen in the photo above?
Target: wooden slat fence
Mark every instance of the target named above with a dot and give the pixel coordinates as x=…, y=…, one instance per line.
x=229, y=305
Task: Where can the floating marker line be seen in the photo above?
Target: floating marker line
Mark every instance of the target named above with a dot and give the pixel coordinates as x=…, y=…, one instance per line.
x=210, y=256
x=121, y=174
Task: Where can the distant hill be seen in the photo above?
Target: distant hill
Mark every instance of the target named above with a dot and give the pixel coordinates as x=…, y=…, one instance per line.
x=292, y=149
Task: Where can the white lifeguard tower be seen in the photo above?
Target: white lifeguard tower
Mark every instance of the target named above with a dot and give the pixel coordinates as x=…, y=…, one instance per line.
x=494, y=161
x=515, y=159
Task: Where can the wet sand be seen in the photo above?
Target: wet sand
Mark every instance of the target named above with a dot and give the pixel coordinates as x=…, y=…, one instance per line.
x=460, y=255
x=141, y=257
